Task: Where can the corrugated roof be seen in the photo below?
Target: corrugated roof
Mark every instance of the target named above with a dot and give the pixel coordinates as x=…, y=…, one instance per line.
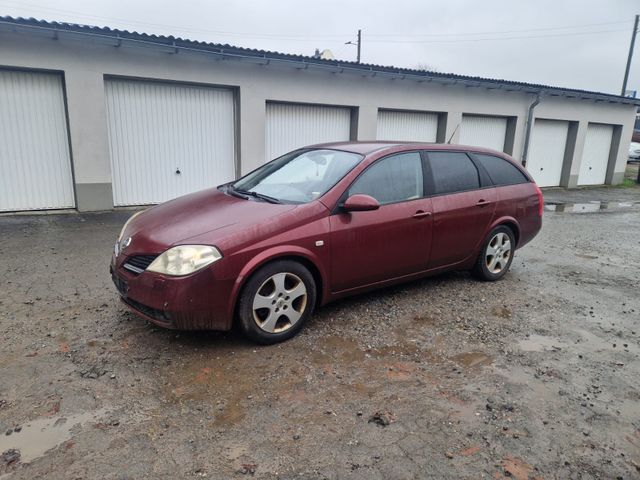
x=306, y=61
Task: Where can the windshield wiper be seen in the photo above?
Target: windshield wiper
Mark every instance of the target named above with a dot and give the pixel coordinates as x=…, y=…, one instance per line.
x=261, y=196
x=231, y=191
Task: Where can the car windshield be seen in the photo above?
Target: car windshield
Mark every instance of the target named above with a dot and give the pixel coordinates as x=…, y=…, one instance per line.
x=297, y=177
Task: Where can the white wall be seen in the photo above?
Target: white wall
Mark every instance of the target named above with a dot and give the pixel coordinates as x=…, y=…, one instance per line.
x=584, y=112
x=85, y=64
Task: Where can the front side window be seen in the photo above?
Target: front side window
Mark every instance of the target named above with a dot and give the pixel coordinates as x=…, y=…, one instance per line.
x=501, y=171
x=452, y=172
x=300, y=176
x=393, y=179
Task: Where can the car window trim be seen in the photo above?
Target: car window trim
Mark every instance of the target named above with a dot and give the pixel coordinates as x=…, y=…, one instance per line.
x=432, y=181
x=337, y=209
x=485, y=178
x=495, y=184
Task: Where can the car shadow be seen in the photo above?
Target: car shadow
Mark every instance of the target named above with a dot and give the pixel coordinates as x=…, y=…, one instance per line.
x=208, y=340
x=421, y=286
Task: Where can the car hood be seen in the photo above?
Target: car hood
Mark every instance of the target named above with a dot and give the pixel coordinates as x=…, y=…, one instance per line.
x=207, y=216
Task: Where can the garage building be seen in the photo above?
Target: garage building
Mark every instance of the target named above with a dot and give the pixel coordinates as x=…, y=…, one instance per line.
x=95, y=118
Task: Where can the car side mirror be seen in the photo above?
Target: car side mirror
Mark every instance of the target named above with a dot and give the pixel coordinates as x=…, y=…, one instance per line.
x=360, y=203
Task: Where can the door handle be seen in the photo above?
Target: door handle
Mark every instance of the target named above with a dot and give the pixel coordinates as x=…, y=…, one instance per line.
x=421, y=214
x=482, y=203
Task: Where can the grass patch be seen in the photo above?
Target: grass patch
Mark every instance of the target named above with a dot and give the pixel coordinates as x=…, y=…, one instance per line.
x=629, y=183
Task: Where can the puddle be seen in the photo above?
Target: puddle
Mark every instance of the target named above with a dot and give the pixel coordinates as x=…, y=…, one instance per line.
x=344, y=348
x=539, y=343
x=501, y=311
x=539, y=388
x=472, y=359
x=41, y=435
x=589, y=207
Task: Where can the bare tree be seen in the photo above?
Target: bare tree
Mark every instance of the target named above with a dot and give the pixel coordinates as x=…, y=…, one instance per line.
x=425, y=67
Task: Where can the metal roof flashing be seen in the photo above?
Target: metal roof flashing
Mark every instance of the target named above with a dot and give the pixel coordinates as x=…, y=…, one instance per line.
x=170, y=44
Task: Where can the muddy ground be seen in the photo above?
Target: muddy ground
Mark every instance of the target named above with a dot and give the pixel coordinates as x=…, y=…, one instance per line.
x=535, y=376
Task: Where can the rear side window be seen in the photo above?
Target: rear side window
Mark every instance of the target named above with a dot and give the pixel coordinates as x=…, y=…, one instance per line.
x=453, y=172
x=501, y=171
x=393, y=179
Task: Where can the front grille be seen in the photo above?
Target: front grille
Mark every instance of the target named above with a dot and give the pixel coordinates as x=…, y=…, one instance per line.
x=139, y=263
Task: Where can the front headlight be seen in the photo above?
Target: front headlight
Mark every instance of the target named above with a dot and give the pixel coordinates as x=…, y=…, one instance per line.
x=127, y=223
x=184, y=259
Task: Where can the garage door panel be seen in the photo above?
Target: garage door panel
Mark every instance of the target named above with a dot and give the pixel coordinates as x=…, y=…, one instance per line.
x=548, y=145
x=595, y=155
x=168, y=140
x=292, y=126
x=407, y=126
x=483, y=131
x=34, y=150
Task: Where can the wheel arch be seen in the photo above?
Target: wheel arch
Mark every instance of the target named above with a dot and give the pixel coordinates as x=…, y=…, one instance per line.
x=510, y=222
x=296, y=254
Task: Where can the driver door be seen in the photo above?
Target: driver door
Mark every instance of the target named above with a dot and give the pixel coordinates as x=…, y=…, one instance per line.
x=394, y=241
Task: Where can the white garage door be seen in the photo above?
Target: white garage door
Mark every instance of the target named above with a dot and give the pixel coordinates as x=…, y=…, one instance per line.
x=407, y=126
x=482, y=131
x=35, y=164
x=291, y=126
x=167, y=140
x=548, y=143
x=595, y=156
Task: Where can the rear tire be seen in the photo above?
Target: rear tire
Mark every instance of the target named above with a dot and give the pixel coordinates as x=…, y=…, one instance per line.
x=496, y=255
x=276, y=302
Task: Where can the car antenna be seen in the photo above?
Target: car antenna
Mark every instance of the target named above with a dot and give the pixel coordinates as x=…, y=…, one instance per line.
x=454, y=132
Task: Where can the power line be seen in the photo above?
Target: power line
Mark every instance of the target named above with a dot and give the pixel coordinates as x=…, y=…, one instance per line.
x=173, y=27
x=497, y=32
x=460, y=40
x=371, y=37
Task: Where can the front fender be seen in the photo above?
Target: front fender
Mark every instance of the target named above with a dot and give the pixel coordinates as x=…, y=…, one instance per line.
x=274, y=253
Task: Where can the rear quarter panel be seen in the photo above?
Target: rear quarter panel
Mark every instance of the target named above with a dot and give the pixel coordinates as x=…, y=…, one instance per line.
x=518, y=204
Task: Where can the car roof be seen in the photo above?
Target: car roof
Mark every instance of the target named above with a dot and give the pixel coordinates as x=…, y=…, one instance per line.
x=368, y=147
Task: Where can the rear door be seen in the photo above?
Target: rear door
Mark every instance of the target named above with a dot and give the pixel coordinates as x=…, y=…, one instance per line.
x=393, y=241
x=463, y=206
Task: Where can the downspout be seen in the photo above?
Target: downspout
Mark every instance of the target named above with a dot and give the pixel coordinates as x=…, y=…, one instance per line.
x=527, y=133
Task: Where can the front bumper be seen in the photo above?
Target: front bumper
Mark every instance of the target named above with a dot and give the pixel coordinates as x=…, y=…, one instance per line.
x=193, y=302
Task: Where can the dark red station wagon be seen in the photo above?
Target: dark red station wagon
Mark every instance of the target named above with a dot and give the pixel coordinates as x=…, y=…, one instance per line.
x=321, y=223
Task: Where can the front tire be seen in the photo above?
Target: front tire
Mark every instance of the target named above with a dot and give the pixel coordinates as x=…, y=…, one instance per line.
x=496, y=255
x=276, y=302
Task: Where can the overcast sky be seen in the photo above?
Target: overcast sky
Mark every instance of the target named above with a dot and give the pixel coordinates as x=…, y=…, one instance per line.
x=570, y=43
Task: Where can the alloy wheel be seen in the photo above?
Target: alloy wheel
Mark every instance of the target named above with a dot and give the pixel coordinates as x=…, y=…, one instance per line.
x=498, y=253
x=279, y=302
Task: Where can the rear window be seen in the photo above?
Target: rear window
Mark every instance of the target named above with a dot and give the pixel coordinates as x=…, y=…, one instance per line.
x=453, y=172
x=501, y=171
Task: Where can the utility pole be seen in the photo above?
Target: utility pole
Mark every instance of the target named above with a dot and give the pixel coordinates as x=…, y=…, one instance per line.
x=626, y=72
x=358, y=43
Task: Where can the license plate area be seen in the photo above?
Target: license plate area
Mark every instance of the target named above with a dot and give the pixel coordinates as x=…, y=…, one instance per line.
x=121, y=284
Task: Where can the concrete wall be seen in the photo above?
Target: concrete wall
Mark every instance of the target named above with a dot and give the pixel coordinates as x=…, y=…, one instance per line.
x=584, y=112
x=85, y=63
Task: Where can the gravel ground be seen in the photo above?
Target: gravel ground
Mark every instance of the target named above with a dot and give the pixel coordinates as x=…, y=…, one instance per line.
x=535, y=376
